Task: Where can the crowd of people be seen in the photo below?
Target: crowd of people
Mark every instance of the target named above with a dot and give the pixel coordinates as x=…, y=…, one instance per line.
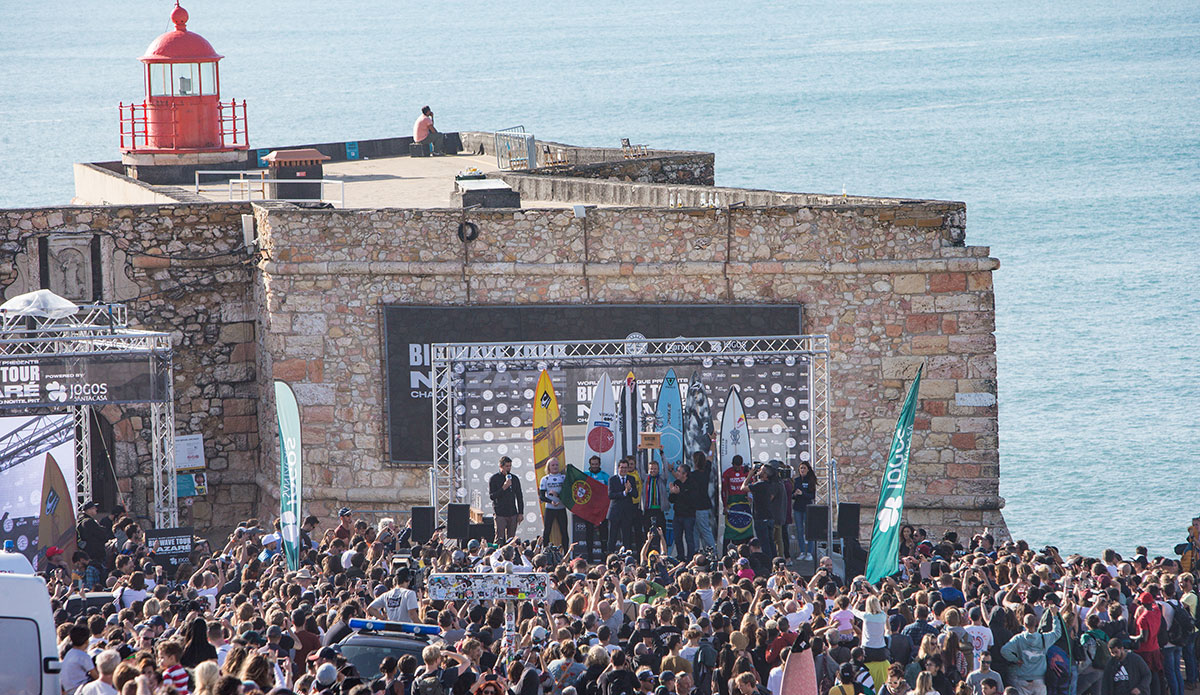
x=979, y=617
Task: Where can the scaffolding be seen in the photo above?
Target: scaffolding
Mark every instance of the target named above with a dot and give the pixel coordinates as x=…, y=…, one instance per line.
x=92, y=331
x=450, y=360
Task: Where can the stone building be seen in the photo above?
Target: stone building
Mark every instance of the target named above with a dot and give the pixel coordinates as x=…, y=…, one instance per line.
x=892, y=282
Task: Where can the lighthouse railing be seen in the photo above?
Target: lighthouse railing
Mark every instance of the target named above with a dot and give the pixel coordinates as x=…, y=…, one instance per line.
x=139, y=121
x=235, y=130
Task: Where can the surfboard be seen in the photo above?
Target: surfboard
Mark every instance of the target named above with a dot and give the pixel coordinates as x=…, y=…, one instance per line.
x=669, y=413
x=799, y=674
x=547, y=430
x=601, y=424
x=56, y=517
x=735, y=441
x=698, y=426
x=629, y=411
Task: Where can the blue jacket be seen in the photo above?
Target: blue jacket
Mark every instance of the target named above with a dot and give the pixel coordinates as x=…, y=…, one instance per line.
x=1027, y=653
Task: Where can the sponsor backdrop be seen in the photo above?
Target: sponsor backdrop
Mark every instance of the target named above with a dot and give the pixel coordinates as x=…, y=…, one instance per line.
x=409, y=331
x=495, y=416
x=21, y=475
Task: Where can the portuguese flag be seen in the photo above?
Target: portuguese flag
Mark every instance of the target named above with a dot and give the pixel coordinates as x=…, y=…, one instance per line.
x=586, y=497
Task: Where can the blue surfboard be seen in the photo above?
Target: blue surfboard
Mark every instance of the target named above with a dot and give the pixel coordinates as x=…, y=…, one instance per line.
x=669, y=414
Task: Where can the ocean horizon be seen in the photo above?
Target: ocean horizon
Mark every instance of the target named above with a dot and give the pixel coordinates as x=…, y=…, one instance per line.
x=1070, y=130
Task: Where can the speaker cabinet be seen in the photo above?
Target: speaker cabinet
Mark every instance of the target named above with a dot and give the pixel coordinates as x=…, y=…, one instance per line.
x=816, y=522
x=458, y=521
x=847, y=520
x=422, y=524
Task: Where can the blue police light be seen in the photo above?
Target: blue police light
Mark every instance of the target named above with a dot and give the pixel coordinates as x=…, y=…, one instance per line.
x=389, y=626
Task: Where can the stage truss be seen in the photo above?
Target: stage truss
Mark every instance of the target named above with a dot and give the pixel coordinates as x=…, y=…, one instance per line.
x=94, y=330
x=450, y=360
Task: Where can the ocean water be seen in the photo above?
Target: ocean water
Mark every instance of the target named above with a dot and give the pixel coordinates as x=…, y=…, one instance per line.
x=1071, y=130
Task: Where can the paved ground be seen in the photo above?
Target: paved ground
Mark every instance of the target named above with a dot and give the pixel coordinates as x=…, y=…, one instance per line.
x=403, y=182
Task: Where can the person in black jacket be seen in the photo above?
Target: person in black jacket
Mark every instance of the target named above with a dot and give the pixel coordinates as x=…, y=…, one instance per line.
x=685, y=495
x=91, y=534
x=508, y=503
x=764, y=494
x=1126, y=672
x=804, y=493
x=622, y=491
x=620, y=679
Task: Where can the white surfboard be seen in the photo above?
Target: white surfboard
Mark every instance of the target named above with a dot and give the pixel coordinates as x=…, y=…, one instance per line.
x=735, y=441
x=601, y=438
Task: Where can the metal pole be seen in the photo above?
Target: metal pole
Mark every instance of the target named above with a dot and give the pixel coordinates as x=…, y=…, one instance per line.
x=832, y=497
x=510, y=624
x=83, y=454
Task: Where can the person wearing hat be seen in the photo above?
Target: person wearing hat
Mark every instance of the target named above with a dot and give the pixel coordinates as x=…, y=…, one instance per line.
x=1148, y=619
x=90, y=535
x=645, y=679
x=327, y=676
x=345, y=528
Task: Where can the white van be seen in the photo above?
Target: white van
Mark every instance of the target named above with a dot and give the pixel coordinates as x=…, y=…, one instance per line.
x=30, y=664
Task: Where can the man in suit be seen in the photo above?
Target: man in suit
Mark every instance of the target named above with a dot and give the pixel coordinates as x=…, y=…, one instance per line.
x=622, y=496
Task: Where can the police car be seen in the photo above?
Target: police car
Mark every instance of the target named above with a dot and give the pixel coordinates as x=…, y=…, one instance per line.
x=373, y=640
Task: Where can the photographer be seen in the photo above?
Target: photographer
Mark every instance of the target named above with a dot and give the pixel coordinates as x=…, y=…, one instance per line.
x=686, y=494
x=765, y=494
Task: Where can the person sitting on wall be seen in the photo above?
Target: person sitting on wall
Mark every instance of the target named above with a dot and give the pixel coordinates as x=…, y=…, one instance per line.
x=425, y=134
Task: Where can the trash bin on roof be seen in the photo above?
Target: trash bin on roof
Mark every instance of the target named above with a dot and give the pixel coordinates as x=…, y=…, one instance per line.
x=295, y=164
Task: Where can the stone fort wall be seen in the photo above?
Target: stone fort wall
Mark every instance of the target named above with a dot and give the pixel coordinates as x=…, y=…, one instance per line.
x=180, y=269
x=890, y=281
x=892, y=284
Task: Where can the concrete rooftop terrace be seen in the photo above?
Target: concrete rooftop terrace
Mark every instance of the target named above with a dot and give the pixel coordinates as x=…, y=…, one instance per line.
x=395, y=182
x=377, y=174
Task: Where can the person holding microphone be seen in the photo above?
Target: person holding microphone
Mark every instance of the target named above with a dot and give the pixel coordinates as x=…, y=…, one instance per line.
x=508, y=504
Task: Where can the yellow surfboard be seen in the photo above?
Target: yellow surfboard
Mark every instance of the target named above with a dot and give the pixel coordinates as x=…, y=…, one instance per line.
x=547, y=430
x=56, y=518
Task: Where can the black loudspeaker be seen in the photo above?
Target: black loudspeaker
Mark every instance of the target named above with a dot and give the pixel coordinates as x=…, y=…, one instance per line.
x=847, y=521
x=422, y=524
x=475, y=532
x=816, y=523
x=855, y=558
x=458, y=521
x=489, y=529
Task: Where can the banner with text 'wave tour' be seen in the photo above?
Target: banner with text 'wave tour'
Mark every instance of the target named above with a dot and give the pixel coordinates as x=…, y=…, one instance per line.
x=884, y=559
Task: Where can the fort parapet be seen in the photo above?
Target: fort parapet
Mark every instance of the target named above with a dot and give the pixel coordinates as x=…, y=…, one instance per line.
x=891, y=281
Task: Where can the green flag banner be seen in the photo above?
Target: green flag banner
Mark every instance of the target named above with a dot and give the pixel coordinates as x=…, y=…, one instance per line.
x=884, y=559
x=287, y=412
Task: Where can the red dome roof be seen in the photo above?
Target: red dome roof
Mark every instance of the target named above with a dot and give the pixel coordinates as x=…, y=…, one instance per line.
x=180, y=45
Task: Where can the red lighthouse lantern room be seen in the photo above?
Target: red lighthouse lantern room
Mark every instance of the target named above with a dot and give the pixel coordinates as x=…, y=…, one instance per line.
x=183, y=112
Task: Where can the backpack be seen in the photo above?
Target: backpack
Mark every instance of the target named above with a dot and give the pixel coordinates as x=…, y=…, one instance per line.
x=1095, y=649
x=1058, y=670
x=1182, y=625
x=428, y=684
x=703, y=663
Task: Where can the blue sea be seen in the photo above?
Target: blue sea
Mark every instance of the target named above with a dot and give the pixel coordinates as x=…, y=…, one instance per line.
x=1070, y=129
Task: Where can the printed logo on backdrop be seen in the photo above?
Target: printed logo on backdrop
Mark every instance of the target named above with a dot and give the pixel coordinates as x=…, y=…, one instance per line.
x=57, y=380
